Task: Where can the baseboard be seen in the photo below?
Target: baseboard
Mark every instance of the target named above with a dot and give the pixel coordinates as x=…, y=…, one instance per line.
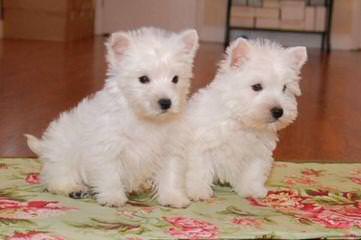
x=344, y=42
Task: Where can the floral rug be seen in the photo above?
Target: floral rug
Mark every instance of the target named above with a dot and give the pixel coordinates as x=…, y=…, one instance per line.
x=305, y=201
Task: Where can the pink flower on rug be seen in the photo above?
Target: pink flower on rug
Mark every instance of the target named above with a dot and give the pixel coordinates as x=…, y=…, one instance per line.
x=3, y=166
x=338, y=216
x=319, y=192
x=26, y=210
x=147, y=209
x=309, y=208
x=305, y=180
x=282, y=199
x=351, y=196
x=126, y=213
x=190, y=228
x=32, y=235
x=356, y=172
x=280, y=164
x=304, y=208
x=33, y=178
x=312, y=172
x=9, y=204
x=42, y=208
x=356, y=180
x=342, y=218
x=135, y=213
x=247, y=221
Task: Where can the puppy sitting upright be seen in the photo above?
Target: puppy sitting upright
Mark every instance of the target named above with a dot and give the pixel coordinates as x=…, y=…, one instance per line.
x=233, y=122
x=114, y=141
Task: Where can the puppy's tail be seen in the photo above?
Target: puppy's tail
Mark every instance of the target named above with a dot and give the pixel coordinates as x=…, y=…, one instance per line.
x=33, y=143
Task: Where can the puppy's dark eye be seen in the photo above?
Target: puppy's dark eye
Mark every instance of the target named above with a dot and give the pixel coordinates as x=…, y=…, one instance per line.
x=175, y=79
x=284, y=88
x=144, y=79
x=257, y=87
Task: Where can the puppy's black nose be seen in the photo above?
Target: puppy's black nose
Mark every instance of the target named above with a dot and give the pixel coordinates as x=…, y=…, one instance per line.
x=277, y=112
x=165, y=103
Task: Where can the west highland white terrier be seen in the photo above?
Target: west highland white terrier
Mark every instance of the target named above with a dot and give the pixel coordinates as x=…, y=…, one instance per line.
x=114, y=142
x=232, y=124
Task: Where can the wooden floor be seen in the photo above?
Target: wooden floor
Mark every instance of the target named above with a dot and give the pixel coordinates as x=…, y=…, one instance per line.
x=40, y=79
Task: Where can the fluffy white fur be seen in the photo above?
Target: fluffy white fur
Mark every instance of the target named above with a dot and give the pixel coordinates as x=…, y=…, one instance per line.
x=114, y=141
x=231, y=130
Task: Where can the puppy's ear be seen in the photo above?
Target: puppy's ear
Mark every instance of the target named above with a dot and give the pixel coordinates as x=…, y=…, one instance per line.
x=117, y=44
x=189, y=39
x=238, y=52
x=298, y=55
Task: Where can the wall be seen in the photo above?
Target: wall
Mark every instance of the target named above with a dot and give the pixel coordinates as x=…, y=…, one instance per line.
x=346, y=31
x=209, y=17
x=346, y=24
x=113, y=15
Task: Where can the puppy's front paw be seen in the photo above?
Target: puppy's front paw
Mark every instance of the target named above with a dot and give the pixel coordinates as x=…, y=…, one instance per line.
x=260, y=192
x=113, y=199
x=175, y=199
x=80, y=195
x=65, y=188
x=199, y=193
x=252, y=191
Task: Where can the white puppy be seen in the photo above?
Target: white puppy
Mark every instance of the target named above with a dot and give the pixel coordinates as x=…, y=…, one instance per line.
x=114, y=141
x=233, y=122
